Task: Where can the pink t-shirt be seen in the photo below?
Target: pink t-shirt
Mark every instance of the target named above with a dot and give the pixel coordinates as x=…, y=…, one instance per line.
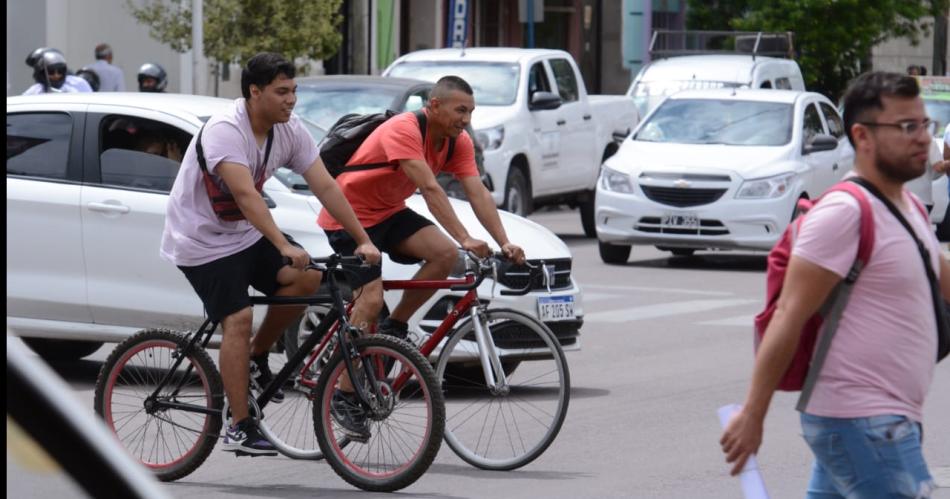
x=883, y=355
x=193, y=234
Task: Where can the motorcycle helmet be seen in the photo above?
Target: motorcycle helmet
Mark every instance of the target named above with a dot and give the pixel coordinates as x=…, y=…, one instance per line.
x=152, y=78
x=91, y=77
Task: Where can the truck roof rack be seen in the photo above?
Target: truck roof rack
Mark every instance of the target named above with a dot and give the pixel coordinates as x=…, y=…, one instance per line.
x=671, y=43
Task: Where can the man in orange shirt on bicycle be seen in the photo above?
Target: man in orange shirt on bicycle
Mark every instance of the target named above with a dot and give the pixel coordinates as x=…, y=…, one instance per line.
x=378, y=196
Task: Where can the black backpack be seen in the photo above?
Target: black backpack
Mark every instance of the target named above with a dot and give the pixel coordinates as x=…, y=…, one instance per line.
x=349, y=132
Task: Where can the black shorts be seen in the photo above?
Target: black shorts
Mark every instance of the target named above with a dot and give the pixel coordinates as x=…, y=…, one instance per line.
x=222, y=284
x=386, y=235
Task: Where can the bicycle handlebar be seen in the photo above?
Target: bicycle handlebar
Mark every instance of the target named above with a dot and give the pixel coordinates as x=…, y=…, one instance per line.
x=486, y=267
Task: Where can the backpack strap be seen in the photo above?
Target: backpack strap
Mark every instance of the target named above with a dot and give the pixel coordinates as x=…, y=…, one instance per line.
x=204, y=165
x=943, y=328
x=833, y=308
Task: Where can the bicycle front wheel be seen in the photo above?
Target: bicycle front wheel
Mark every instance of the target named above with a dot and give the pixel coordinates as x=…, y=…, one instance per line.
x=170, y=441
x=505, y=427
x=406, y=422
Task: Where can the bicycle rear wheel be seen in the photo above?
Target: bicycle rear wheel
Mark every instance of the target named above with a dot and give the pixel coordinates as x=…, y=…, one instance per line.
x=406, y=428
x=506, y=428
x=171, y=442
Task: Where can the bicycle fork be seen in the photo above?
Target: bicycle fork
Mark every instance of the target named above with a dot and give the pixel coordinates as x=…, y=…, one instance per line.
x=495, y=377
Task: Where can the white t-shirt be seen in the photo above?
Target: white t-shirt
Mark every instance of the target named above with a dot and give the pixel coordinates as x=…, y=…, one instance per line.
x=194, y=235
x=72, y=84
x=883, y=355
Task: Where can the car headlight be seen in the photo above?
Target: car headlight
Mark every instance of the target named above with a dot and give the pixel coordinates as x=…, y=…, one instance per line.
x=612, y=180
x=490, y=138
x=764, y=188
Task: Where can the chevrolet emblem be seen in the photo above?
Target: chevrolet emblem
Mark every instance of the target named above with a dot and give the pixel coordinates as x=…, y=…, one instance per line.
x=681, y=184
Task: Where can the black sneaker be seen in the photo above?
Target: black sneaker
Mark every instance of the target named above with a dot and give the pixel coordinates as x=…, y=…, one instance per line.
x=346, y=411
x=392, y=327
x=261, y=377
x=245, y=439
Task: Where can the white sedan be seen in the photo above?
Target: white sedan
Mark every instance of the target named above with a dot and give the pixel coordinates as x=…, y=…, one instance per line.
x=86, y=207
x=718, y=169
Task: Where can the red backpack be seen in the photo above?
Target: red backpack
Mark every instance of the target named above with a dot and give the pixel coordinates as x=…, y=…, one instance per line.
x=799, y=376
x=222, y=202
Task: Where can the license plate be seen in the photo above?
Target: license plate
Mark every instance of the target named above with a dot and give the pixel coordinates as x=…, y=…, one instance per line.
x=680, y=221
x=555, y=308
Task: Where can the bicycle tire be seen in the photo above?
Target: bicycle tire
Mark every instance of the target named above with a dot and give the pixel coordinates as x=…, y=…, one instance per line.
x=415, y=421
x=131, y=373
x=504, y=431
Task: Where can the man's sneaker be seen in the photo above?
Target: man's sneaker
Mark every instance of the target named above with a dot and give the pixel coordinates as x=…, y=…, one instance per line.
x=346, y=411
x=392, y=327
x=245, y=439
x=261, y=377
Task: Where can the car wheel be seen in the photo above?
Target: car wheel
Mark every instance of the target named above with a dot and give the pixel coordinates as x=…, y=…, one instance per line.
x=51, y=349
x=943, y=228
x=517, y=193
x=587, y=216
x=614, y=253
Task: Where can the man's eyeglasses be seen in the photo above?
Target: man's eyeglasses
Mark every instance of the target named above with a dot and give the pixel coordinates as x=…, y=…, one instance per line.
x=910, y=128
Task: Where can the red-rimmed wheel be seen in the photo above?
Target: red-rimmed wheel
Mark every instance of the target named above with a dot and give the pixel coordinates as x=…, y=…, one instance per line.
x=406, y=422
x=171, y=442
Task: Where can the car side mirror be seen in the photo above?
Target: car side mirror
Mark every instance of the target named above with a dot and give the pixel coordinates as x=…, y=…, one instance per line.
x=820, y=142
x=544, y=100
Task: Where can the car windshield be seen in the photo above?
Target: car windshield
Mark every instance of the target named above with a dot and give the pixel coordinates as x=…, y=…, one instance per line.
x=495, y=84
x=325, y=105
x=712, y=121
x=648, y=94
x=939, y=111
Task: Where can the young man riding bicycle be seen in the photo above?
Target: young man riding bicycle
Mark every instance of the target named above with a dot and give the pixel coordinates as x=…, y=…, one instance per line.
x=378, y=197
x=220, y=233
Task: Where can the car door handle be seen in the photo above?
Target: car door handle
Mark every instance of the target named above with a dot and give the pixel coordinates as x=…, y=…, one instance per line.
x=561, y=122
x=834, y=166
x=108, y=208
x=587, y=117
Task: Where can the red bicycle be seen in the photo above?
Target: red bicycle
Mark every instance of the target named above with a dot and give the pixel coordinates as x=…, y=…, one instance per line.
x=504, y=374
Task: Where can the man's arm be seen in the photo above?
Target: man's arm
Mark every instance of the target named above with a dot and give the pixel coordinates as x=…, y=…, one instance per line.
x=806, y=287
x=438, y=202
x=487, y=213
x=238, y=179
x=328, y=192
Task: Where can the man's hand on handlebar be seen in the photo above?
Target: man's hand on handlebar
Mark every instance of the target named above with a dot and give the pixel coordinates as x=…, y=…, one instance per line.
x=369, y=252
x=477, y=246
x=299, y=258
x=513, y=252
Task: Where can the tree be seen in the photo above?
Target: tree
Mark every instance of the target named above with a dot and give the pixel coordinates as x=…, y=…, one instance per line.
x=235, y=30
x=833, y=38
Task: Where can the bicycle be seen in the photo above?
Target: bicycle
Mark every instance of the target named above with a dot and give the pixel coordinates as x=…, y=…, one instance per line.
x=509, y=390
x=162, y=395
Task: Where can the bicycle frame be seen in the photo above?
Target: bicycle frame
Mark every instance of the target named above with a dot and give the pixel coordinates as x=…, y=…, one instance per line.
x=334, y=319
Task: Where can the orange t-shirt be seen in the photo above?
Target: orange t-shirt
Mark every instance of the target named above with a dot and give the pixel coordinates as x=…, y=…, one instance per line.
x=377, y=194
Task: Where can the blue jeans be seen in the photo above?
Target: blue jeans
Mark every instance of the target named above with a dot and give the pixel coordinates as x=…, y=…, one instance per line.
x=866, y=458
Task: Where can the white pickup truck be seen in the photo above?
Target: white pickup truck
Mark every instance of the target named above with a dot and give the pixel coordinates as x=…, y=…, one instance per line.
x=544, y=138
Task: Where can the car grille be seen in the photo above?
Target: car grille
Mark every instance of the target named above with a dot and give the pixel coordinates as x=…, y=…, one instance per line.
x=516, y=277
x=677, y=196
x=513, y=336
x=706, y=227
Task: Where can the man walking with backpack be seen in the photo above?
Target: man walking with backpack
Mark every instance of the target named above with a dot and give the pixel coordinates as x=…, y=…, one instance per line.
x=863, y=418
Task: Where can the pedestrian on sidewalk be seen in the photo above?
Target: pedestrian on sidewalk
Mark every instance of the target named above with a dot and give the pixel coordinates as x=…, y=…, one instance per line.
x=111, y=77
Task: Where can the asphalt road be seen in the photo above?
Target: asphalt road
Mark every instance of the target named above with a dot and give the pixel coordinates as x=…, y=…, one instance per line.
x=666, y=341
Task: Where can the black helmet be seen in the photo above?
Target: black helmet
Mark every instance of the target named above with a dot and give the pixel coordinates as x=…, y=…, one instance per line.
x=155, y=72
x=91, y=77
x=36, y=54
x=49, y=62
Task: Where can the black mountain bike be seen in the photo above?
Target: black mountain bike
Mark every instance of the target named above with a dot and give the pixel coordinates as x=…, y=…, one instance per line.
x=162, y=395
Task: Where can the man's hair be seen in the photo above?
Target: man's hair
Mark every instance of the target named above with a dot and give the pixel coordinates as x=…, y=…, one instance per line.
x=262, y=69
x=103, y=50
x=448, y=84
x=864, y=95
